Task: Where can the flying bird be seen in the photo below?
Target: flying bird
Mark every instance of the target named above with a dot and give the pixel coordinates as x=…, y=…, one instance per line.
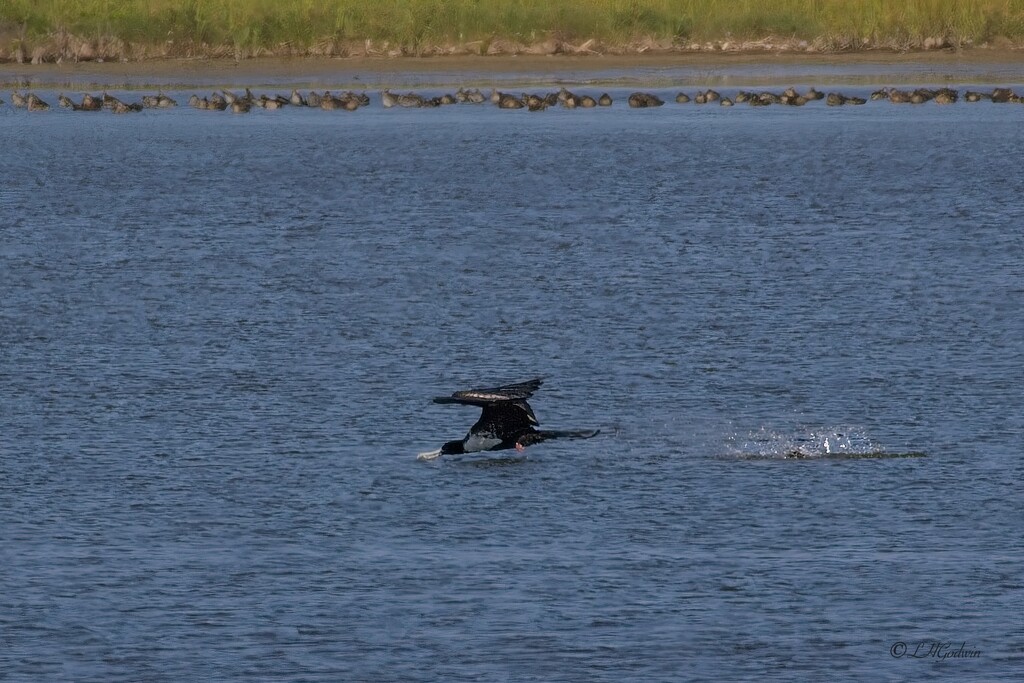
x=506, y=421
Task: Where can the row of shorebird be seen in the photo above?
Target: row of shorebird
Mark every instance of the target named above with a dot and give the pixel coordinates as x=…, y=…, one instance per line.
x=350, y=101
x=33, y=102
x=241, y=104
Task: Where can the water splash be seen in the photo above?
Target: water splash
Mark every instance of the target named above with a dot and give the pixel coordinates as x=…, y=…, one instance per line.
x=808, y=443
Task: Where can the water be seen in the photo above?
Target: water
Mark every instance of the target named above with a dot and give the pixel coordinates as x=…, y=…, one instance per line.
x=219, y=337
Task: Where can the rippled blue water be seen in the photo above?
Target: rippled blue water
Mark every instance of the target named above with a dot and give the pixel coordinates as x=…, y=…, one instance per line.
x=219, y=337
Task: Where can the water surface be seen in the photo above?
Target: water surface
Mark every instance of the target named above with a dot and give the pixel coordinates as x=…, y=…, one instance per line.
x=219, y=337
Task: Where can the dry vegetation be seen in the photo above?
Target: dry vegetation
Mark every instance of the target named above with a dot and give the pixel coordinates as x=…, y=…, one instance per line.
x=48, y=30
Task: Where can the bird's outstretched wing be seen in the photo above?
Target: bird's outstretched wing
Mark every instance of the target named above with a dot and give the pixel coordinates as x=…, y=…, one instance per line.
x=504, y=408
x=482, y=397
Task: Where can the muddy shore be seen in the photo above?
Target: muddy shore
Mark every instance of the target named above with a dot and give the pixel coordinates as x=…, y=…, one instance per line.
x=950, y=67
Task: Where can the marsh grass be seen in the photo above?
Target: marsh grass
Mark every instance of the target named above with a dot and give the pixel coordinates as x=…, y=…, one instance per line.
x=301, y=24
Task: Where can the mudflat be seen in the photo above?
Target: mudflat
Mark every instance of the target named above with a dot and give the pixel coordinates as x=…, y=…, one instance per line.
x=684, y=68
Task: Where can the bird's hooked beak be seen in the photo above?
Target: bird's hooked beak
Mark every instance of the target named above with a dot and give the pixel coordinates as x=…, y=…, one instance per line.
x=429, y=455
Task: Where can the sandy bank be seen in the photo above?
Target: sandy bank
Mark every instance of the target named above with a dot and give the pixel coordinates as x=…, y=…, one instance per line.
x=969, y=66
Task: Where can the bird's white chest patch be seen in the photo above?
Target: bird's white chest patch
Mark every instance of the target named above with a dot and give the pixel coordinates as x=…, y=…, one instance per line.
x=480, y=442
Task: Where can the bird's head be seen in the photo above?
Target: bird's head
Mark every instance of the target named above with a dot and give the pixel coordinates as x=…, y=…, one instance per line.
x=449, y=448
x=452, y=448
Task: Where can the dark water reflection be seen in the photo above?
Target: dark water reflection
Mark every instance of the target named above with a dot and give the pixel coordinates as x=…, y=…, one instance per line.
x=219, y=335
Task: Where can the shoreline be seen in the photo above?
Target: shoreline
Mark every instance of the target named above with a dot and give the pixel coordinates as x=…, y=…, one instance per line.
x=752, y=68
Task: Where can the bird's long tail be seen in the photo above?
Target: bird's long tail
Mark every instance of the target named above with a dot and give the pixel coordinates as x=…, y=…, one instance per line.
x=548, y=434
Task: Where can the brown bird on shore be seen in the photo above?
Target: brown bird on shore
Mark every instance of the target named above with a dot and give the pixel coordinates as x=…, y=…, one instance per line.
x=36, y=104
x=91, y=103
x=534, y=102
x=1002, y=95
x=640, y=100
x=506, y=101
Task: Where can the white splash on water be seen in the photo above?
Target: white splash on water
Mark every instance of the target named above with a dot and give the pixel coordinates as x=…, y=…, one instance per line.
x=811, y=442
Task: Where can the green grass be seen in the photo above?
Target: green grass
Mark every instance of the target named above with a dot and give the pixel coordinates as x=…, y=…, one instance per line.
x=412, y=23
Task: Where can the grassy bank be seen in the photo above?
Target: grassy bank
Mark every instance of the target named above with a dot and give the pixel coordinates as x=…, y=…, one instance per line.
x=90, y=29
